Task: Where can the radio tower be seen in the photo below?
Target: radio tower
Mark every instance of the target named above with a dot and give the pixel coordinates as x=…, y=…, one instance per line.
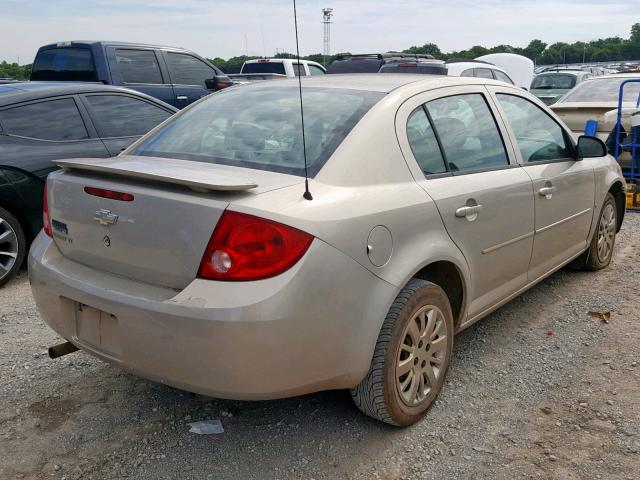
x=327, y=13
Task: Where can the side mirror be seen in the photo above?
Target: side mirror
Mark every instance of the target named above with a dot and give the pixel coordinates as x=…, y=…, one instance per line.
x=218, y=82
x=591, y=147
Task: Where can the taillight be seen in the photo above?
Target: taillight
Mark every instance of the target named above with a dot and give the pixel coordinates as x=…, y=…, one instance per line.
x=46, y=218
x=110, y=194
x=243, y=247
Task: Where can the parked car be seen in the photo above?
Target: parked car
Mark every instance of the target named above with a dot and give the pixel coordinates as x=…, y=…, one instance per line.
x=41, y=122
x=597, y=99
x=369, y=62
x=518, y=67
x=550, y=86
x=174, y=75
x=476, y=68
x=420, y=66
x=194, y=260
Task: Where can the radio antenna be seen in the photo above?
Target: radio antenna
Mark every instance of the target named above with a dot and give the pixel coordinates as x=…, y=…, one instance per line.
x=307, y=194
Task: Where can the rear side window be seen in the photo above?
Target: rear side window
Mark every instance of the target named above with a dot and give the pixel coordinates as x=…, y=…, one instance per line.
x=424, y=144
x=298, y=70
x=468, y=132
x=469, y=72
x=313, y=70
x=188, y=70
x=138, y=66
x=64, y=64
x=539, y=137
x=56, y=120
x=121, y=116
x=264, y=67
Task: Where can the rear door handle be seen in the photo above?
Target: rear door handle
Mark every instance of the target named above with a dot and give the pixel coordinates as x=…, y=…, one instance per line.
x=468, y=211
x=182, y=97
x=547, y=192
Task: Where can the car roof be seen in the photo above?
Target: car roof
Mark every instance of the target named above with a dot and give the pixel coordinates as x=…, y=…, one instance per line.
x=376, y=82
x=71, y=43
x=26, y=91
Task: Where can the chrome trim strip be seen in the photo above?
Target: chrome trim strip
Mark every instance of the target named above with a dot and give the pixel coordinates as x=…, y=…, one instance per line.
x=575, y=215
x=507, y=243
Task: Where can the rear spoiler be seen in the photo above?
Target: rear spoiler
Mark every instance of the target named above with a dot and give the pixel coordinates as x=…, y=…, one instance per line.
x=198, y=176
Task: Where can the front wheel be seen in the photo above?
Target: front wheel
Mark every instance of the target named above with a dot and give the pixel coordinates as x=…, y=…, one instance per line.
x=411, y=356
x=13, y=246
x=600, y=251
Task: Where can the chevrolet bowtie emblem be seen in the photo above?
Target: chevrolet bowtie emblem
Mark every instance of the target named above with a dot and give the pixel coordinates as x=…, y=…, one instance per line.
x=105, y=217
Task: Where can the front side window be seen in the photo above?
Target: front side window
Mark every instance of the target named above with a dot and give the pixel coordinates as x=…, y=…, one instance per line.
x=424, y=144
x=64, y=64
x=503, y=77
x=468, y=132
x=55, y=120
x=539, y=137
x=313, y=70
x=138, y=66
x=484, y=73
x=121, y=116
x=259, y=127
x=188, y=70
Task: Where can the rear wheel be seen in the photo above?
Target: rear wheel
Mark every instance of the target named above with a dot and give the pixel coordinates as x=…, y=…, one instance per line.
x=411, y=357
x=600, y=250
x=13, y=246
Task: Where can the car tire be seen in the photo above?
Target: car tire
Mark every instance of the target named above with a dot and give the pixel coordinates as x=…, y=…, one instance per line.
x=413, y=349
x=600, y=251
x=13, y=246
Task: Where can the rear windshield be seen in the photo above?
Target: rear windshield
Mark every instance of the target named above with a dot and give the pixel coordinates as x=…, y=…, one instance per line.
x=604, y=90
x=426, y=68
x=259, y=127
x=264, y=67
x=553, y=81
x=355, y=65
x=64, y=64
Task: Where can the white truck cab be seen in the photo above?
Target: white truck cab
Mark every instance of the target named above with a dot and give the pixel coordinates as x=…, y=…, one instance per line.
x=289, y=67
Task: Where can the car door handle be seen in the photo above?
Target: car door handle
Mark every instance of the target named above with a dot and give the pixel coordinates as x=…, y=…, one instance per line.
x=468, y=211
x=182, y=97
x=546, y=191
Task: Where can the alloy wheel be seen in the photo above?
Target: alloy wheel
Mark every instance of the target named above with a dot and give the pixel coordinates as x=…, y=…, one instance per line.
x=8, y=247
x=422, y=355
x=606, y=232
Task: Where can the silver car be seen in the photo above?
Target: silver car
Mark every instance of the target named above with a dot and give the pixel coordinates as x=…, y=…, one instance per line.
x=193, y=258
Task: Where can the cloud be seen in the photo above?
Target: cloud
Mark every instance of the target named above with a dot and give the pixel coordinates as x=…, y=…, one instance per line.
x=226, y=28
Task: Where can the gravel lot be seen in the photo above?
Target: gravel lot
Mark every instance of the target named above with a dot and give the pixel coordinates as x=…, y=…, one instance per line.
x=539, y=389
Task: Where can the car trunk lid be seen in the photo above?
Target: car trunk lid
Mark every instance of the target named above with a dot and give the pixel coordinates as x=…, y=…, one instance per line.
x=160, y=235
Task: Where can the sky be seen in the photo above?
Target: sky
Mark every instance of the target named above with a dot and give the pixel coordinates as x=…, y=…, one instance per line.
x=226, y=28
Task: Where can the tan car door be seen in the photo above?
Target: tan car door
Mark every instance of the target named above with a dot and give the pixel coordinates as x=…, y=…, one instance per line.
x=455, y=148
x=564, y=187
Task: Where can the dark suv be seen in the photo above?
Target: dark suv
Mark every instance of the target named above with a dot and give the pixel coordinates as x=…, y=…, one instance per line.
x=369, y=62
x=174, y=75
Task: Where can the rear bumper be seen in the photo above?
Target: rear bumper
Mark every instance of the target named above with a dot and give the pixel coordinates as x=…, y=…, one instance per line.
x=312, y=328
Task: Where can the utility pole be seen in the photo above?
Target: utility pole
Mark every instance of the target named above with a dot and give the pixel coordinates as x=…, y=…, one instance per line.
x=327, y=13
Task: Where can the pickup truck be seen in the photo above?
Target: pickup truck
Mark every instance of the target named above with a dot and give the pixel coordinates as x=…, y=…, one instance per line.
x=174, y=75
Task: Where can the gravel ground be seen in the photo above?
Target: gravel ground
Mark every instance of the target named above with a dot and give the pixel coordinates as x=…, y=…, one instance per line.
x=539, y=389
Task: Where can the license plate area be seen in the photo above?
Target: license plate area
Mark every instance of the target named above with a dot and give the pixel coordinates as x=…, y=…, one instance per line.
x=98, y=329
